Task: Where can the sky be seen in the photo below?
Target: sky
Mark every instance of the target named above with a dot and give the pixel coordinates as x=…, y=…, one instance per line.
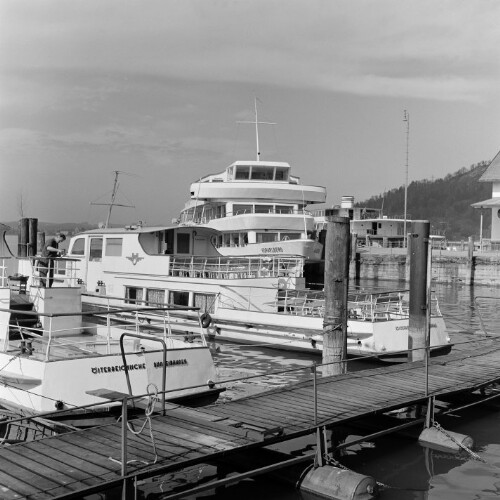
x=155, y=89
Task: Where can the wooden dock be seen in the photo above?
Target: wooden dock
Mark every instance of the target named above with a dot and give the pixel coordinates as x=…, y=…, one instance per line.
x=88, y=461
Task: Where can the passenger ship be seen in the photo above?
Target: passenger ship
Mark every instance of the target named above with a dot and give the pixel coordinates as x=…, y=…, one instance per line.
x=253, y=208
x=239, y=253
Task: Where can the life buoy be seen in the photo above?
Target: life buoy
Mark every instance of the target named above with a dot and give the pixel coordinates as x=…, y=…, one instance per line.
x=205, y=319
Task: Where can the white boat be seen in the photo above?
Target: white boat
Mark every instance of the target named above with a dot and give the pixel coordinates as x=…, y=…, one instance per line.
x=255, y=208
x=70, y=359
x=260, y=300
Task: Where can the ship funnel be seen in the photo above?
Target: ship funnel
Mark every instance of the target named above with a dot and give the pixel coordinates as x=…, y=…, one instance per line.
x=347, y=202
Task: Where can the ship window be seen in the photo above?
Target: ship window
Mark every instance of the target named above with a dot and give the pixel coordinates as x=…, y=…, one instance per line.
x=267, y=237
x=242, y=173
x=133, y=295
x=179, y=298
x=78, y=247
x=263, y=209
x=262, y=173
x=95, y=249
x=281, y=174
x=243, y=239
x=290, y=236
x=183, y=242
x=227, y=239
x=242, y=209
x=114, y=247
x=155, y=296
x=283, y=209
x=205, y=301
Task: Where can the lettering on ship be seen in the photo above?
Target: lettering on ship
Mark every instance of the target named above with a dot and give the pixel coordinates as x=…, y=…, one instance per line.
x=136, y=366
x=405, y=327
x=272, y=250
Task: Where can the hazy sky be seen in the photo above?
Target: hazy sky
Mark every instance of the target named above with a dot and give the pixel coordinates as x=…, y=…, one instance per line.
x=155, y=88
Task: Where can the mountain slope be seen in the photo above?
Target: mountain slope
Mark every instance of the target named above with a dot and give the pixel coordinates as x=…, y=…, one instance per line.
x=444, y=202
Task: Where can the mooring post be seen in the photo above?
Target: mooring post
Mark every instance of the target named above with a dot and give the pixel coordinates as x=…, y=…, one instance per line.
x=336, y=288
x=32, y=237
x=353, y=260
x=470, y=262
x=418, y=291
x=428, y=315
x=22, y=246
x=408, y=257
x=40, y=240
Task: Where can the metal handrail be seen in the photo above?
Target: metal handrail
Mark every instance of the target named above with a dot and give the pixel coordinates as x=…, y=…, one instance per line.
x=164, y=366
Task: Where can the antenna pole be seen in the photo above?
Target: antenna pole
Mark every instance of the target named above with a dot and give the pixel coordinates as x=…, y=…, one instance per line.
x=113, y=194
x=257, y=130
x=256, y=123
x=406, y=118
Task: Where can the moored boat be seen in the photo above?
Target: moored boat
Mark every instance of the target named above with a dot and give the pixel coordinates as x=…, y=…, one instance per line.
x=68, y=358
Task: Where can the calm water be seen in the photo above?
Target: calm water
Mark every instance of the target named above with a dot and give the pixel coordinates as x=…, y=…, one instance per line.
x=407, y=470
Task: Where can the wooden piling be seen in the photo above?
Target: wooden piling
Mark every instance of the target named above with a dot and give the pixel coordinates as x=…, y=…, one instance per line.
x=354, y=257
x=469, y=279
x=336, y=288
x=22, y=246
x=40, y=239
x=408, y=257
x=418, y=290
x=32, y=239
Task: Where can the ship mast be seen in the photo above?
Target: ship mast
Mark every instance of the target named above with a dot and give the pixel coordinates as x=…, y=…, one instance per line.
x=257, y=123
x=112, y=203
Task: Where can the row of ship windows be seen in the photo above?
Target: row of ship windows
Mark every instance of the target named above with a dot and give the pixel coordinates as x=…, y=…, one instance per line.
x=160, y=297
x=241, y=239
x=259, y=173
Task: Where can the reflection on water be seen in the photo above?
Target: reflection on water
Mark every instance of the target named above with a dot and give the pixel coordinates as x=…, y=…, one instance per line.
x=408, y=470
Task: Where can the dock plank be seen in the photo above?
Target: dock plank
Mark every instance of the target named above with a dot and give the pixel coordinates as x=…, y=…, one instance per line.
x=80, y=459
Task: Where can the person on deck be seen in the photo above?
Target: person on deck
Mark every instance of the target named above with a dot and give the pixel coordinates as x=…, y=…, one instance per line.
x=46, y=263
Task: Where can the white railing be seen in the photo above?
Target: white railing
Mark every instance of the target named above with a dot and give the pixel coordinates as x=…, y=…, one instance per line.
x=206, y=217
x=223, y=268
x=4, y=272
x=49, y=340
x=62, y=271
x=361, y=305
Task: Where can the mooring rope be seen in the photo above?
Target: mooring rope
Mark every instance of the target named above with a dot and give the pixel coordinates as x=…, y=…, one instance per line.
x=152, y=398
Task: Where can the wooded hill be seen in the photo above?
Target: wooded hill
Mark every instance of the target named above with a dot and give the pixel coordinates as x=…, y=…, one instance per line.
x=445, y=202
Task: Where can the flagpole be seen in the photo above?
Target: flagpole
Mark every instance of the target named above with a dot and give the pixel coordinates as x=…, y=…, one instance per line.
x=406, y=118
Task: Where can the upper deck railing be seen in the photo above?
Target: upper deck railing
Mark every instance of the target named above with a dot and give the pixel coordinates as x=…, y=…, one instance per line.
x=223, y=268
x=204, y=217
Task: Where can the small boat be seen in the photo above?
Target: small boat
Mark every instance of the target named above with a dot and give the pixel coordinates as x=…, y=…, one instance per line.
x=66, y=358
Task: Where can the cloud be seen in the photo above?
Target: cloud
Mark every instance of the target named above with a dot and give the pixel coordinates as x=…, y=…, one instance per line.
x=435, y=50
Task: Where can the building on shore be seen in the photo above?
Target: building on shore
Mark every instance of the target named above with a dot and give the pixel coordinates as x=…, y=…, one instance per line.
x=491, y=174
